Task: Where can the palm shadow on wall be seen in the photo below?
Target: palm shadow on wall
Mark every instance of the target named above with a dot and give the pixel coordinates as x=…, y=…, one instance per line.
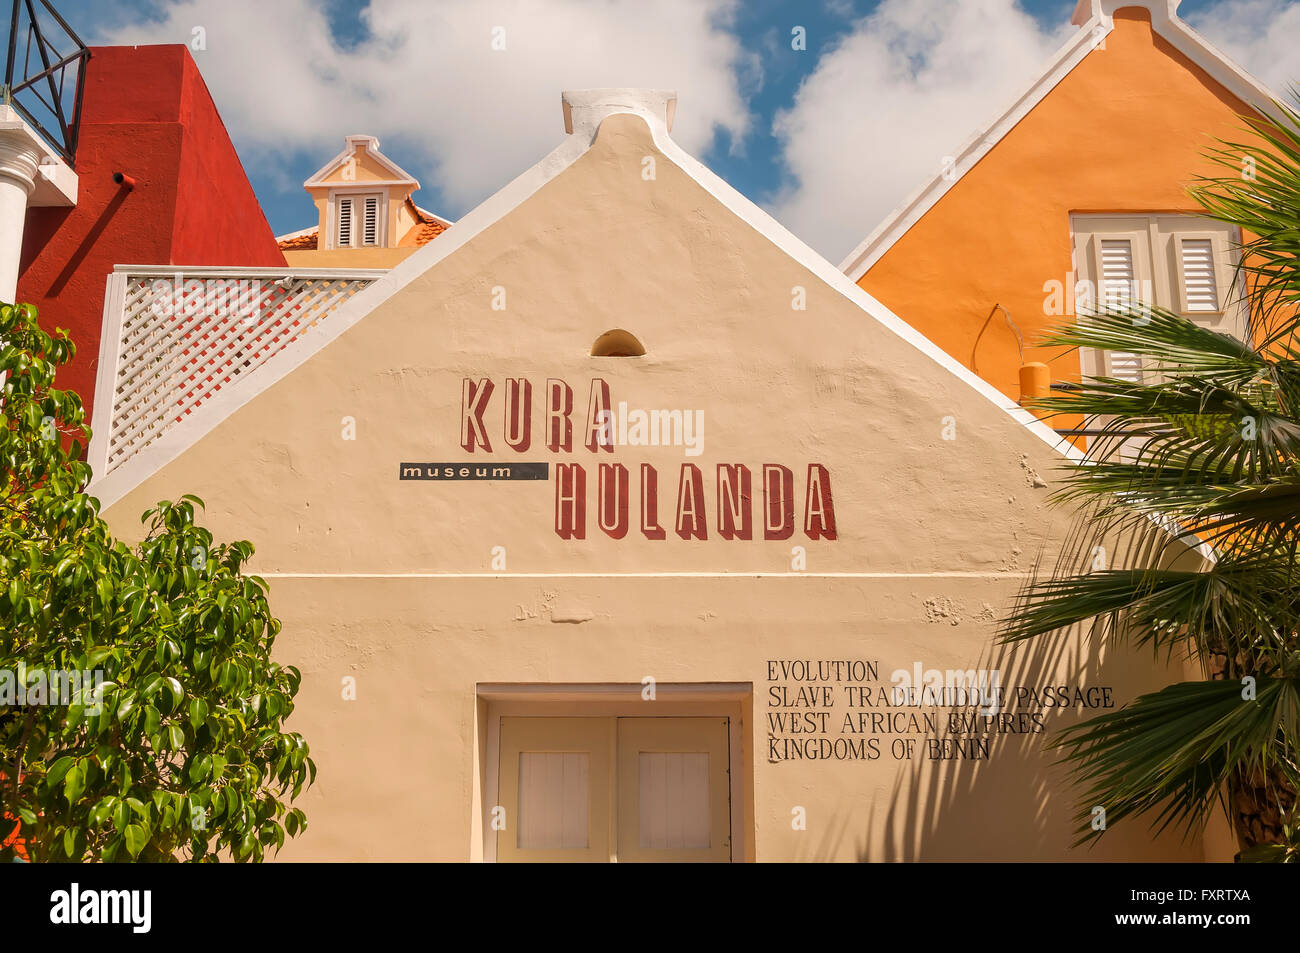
x=1019, y=803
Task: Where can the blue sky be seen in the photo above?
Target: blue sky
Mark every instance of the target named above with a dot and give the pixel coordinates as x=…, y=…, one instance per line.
x=789, y=128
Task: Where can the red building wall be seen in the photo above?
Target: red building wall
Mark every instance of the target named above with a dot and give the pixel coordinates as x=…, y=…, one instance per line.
x=147, y=113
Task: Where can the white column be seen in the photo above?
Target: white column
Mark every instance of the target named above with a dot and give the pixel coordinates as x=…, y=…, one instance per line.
x=20, y=160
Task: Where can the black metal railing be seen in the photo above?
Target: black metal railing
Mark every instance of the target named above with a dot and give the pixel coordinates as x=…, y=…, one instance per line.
x=42, y=81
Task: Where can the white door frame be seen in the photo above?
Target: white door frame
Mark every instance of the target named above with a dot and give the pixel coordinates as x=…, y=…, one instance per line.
x=733, y=700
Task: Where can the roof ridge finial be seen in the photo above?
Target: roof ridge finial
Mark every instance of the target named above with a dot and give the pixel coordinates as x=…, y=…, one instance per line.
x=585, y=109
x=1085, y=11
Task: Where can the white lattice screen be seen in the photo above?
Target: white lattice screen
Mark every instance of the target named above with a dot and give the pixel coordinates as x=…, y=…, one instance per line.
x=181, y=336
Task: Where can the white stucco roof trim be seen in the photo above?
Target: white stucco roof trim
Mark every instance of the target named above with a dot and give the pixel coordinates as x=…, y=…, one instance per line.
x=312, y=229
x=116, y=484
x=434, y=215
x=400, y=175
x=113, y=486
x=1092, y=32
x=309, y=230
x=783, y=239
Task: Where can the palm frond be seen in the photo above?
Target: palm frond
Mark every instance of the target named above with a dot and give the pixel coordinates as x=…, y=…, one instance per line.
x=1233, y=605
x=1171, y=752
x=1170, y=340
x=1261, y=195
x=1204, y=452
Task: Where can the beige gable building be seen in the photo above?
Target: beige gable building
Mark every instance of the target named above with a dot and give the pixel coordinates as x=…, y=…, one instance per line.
x=734, y=598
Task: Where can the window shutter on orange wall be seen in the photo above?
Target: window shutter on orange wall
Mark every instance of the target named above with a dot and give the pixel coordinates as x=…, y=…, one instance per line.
x=351, y=233
x=1199, y=288
x=370, y=222
x=1125, y=366
x=1117, y=272
x=345, y=224
x=1117, y=289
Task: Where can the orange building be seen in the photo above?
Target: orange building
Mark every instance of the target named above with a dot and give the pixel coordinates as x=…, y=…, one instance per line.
x=1077, y=193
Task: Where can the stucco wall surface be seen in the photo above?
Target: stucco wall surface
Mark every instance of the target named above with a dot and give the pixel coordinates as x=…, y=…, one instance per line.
x=392, y=582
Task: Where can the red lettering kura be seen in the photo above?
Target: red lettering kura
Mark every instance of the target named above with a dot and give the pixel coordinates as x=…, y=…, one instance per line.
x=600, y=433
x=519, y=414
x=473, y=401
x=559, y=405
x=732, y=493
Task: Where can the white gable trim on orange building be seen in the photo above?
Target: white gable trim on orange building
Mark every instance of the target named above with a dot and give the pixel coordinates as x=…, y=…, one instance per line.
x=309, y=230
x=648, y=105
x=313, y=229
x=434, y=215
x=400, y=175
x=1096, y=20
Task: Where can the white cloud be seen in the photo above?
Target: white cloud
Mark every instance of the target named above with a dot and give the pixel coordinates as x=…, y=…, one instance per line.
x=909, y=85
x=1259, y=35
x=428, y=77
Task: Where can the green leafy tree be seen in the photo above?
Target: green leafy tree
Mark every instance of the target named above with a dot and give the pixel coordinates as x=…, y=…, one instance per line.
x=179, y=752
x=1207, y=448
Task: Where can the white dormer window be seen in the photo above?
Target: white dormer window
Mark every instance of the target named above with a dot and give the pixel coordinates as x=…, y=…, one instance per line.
x=356, y=191
x=359, y=221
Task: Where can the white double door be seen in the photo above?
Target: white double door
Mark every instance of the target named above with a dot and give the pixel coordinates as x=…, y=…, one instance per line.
x=615, y=788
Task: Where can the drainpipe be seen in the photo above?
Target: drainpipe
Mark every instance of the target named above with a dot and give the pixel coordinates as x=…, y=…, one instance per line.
x=1035, y=381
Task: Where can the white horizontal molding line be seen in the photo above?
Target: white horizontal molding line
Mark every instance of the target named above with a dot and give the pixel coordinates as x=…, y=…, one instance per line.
x=618, y=691
x=345, y=185
x=200, y=271
x=739, y=574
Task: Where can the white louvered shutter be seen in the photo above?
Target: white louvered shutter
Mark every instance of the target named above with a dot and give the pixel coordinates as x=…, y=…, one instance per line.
x=345, y=224
x=1118, y=281
x=1200, y=291
x=370, y=222
x=1125, y=366
x=1117, y=272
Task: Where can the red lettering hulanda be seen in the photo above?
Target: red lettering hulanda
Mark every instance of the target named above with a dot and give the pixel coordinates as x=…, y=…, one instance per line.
x=734, y=519
x=733, y=482
x=570, y=501
x=613, y=499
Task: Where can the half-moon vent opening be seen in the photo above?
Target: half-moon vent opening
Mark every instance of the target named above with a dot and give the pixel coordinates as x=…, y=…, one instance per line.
x=617, y=343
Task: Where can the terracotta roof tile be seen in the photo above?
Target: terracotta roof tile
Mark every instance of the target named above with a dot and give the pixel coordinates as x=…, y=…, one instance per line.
x=424, y=231
x=299, y=242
